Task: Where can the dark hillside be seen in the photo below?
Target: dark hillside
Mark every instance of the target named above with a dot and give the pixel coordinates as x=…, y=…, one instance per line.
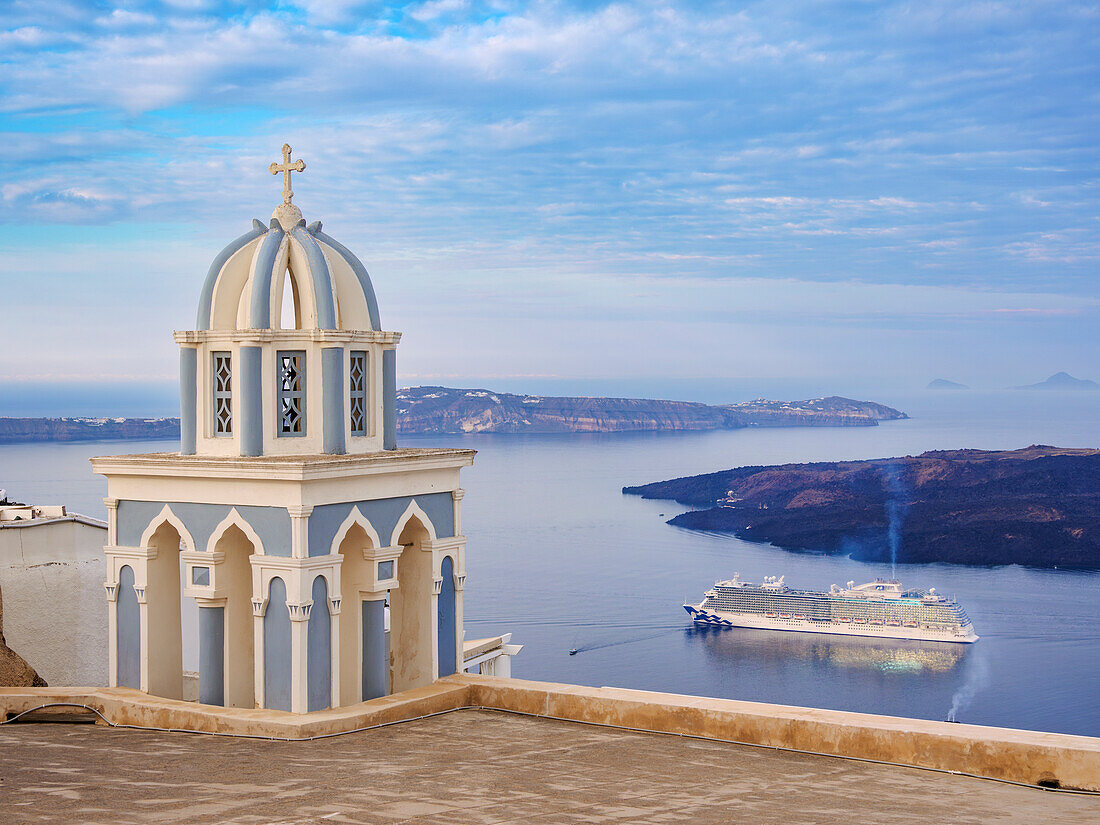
x=1038, y=506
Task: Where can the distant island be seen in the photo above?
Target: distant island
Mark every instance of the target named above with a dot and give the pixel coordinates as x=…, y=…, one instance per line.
x=426, y=410
x=18, y=430
x=445, y=410
x=1062, y=381
x=1038, y=506
x=944, y=384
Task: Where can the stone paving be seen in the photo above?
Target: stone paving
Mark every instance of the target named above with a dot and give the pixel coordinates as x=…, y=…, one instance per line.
x=478, y=767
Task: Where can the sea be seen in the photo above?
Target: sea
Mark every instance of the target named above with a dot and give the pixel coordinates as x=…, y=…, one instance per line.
x=560, y=558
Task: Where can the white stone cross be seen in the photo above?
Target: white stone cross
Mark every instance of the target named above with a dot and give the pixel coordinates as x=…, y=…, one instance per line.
x=286, y=167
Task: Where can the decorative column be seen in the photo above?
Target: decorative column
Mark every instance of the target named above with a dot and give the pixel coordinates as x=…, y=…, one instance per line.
x=111, y=586
x=334, y=607
x=459, y=577
x=259, y=609
x=299, y=531
x=299, y=653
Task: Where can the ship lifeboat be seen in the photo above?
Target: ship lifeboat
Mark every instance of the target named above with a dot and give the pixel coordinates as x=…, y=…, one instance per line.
x=800, y=617
x=860, y=621
x=844, y=619
x=784, y=615
x=911, y=624
x=894, y=623
x=770, y=615
x=876, y=621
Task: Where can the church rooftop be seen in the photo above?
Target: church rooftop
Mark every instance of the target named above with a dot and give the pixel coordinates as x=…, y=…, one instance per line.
x=478, y=766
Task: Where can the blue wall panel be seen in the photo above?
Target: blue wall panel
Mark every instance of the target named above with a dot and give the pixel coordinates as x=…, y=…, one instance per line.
x=389, y=399
x=272, y=524
x=332, y=400
x=319, y=649
x=129, y=631
x=189, y=372
x=250, y=421
x=448, y=646
x=376, y=659
x=277, y=651
x=383, y=514
x=212, y=655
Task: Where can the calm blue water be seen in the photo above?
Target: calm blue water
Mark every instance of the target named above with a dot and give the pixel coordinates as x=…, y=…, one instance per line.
x=559, y=557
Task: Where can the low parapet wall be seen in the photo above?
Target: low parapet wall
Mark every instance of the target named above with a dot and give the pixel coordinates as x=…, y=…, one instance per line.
x=1002, y=753
x=1019, y=756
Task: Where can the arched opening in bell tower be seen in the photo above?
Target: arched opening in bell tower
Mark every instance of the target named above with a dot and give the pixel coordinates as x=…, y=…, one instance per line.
x=164, y=601
x=412, y=620
x=234, y=578
x=290, y=313
x=363, y=670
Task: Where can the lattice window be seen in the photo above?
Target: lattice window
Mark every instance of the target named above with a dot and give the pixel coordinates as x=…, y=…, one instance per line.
x=357, y=404
x=292, y=395
x=223, y=394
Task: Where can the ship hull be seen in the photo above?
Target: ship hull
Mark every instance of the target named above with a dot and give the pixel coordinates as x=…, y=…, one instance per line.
x=706, y=617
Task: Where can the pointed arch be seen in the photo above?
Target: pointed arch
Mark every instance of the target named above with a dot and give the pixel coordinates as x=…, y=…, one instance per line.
x=411, y=512
x=235, y=519
x=355, y=519
x=446, y=554
x=167, y=516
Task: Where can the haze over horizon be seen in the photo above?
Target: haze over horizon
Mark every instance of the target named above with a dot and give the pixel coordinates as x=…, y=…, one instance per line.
x=575, y=198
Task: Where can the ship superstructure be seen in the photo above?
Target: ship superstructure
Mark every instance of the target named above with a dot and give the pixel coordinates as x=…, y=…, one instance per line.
x=879, y=608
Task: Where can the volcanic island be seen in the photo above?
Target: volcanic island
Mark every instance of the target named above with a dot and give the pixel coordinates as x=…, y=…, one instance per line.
x=1038, y=506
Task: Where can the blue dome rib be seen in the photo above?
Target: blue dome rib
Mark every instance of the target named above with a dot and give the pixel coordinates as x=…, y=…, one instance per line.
x=259, y=313
x=322, y=278
x=207, y=294
x=360, y=273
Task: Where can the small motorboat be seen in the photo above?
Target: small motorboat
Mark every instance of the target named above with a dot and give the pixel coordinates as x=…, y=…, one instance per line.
x=573, y=651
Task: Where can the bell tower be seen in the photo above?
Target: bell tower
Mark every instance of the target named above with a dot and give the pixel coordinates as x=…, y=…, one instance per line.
x=327, y=563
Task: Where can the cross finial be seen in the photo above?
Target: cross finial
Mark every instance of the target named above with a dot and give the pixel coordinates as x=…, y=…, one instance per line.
x=286, y=167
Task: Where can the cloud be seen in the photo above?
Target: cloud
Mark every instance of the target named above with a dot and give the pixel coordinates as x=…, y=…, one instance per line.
x=695, y=148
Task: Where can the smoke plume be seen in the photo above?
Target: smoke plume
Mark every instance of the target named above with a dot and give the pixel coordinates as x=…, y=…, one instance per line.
x=897, y=505
x=976, y=678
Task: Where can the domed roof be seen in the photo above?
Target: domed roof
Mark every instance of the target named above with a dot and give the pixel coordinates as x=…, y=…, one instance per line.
x=330, y=286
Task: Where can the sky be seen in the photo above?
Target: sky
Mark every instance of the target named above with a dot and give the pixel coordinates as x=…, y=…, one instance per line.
x=624, y=198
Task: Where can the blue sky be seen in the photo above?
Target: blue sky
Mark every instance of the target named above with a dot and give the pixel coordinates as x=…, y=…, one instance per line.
x=554, y=192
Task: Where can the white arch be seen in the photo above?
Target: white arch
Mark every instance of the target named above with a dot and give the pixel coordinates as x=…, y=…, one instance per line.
x=235, y=519
x=437, y=569
x=355, y=517
x=166, y=515
x=413, y=510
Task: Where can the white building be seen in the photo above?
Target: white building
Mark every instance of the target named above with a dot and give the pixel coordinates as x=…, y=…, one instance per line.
x=293, y=510
x=51, y=574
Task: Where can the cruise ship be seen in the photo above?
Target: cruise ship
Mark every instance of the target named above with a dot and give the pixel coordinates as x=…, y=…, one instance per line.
x=879, y=608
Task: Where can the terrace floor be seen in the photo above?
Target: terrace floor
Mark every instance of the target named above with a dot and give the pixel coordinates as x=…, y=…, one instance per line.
x=475, y=766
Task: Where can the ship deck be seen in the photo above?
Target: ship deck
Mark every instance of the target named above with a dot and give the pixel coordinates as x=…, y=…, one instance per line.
x=478, y=767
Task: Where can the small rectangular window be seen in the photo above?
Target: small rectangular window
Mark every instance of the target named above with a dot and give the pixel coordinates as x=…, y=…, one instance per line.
x=223, y=394
x=292, y=396
x=357, y=403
